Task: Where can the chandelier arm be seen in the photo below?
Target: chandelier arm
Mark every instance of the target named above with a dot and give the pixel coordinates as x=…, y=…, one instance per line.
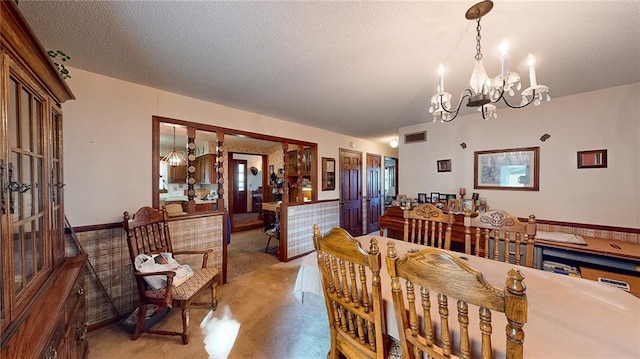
x=457, y=109
x=533, y=97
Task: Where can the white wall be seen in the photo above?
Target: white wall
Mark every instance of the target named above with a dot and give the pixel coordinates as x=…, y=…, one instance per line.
x=604, y=119
x=107, y=142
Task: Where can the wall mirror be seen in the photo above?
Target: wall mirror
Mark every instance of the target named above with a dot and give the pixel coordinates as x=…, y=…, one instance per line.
x=509, y=169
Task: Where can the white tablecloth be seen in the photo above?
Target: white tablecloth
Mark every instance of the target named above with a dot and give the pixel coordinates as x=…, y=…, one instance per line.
x=568, y=317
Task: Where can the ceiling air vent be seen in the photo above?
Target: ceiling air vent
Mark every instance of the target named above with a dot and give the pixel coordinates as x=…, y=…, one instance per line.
x=415, y=137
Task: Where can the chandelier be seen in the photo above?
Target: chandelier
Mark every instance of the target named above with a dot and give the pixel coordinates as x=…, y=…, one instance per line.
x=174, y=158
x=484, y=92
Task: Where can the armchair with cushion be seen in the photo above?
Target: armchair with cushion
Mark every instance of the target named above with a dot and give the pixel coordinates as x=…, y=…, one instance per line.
x=147, y=233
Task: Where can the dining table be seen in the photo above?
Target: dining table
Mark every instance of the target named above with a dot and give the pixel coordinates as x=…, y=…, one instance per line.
x=568, y=317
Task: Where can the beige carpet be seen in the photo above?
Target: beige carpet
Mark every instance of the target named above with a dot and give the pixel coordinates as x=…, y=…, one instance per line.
x=245, y=253
x=273, y=323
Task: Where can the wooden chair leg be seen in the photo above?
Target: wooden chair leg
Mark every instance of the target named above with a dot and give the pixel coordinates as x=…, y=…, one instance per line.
x=185, y=324
x=266, y=249
x=214, y=295
x=141, y=317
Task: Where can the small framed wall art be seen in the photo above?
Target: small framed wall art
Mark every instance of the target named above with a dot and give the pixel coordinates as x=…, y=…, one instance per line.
x=592, y=159
x=328, y=174
x=444, y=165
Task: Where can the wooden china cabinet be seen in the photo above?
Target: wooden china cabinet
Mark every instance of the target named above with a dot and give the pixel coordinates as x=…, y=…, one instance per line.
x=42, y=310
x=301, y=174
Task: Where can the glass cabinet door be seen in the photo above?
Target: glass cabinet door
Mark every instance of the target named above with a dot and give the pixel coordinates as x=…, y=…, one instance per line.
x=26, y=191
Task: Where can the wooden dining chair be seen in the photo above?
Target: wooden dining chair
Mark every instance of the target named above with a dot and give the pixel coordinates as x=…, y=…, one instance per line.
x=148, y=233
x=435, y=276
x=495, y=230
x=351, y=286
x=428, y=225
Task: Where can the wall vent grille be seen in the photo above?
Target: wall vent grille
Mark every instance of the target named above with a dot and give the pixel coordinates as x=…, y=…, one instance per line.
x=415, y=137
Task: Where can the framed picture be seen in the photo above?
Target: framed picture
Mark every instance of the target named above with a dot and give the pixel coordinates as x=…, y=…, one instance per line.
x=453, y=205
x=449, y=196
x=592, y=159
x=435, y=197
x=482, y=208
x=401, y=198
x=510, y=169
x=444, y=165
x=468, y=205
x=475, y=196
x=328, y=174
x=422, y=198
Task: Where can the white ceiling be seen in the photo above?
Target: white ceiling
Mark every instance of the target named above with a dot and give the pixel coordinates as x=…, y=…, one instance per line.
x=358, y=68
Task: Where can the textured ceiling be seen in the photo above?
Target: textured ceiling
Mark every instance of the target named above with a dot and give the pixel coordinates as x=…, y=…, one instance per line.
x=358, y=68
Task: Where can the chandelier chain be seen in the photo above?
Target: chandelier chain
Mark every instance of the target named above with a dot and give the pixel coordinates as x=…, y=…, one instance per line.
x=478, y=38
x=174, y=138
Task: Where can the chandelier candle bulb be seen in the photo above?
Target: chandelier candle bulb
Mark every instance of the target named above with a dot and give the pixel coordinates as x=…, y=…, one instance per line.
x=531, y=61
x=504, y=58
x=441, y=78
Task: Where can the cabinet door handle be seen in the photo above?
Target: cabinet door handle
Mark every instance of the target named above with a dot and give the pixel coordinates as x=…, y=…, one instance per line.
x=80, y=292
x=50, y=353
x=81, y=331
x=19, y=187
x=11, y=203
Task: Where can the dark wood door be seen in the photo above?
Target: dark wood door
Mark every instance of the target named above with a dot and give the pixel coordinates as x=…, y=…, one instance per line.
x=374, y=192
x=239, y=186
x=351, y=191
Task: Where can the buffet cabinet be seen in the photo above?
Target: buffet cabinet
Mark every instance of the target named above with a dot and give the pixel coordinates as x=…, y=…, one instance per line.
x=41, y=288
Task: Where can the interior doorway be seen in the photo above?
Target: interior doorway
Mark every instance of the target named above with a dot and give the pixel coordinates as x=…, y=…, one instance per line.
x=247, y=179
x=239, y=170
x=390, y=180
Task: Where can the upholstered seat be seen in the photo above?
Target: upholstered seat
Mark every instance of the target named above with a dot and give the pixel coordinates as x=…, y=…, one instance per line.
x=189, y=288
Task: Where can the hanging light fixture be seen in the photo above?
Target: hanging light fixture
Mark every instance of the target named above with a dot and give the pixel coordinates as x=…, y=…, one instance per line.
x=484, y=92
x=174, y=158
x=394, y=142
